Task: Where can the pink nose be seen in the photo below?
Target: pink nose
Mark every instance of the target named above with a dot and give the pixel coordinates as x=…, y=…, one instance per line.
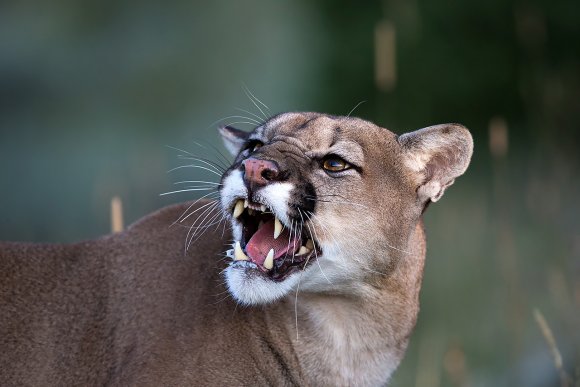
x=260, y=172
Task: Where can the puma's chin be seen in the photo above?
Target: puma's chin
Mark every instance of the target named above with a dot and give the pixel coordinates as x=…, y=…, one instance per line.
x=268, y=256
x=249, y=286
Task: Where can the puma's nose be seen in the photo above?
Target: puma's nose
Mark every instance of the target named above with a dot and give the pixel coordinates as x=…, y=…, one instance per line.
x=260, y=172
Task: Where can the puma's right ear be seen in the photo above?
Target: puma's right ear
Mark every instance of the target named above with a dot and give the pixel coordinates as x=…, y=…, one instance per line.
x=437, y=154
x=233, y=139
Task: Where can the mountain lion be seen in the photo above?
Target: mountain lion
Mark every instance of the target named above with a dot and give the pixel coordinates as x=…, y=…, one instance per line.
x=316, y=284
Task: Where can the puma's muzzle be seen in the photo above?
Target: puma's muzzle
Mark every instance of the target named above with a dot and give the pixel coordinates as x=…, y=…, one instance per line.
x=267, y=244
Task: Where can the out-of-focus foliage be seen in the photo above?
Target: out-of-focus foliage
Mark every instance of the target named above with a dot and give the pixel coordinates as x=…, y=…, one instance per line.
x=91, y=92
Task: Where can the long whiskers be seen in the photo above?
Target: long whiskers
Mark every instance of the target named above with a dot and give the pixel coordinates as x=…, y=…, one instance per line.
x=195, y=166
x=249, y=112
x=251, y=120
x=223, y=160
x=314, y=236
x=208, y=214
x=221, y=166
x=199, y=230
x=255, y=101
x=354, y=108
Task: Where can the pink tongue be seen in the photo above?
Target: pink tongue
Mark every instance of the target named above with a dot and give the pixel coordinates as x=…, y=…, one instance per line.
x=263, y=240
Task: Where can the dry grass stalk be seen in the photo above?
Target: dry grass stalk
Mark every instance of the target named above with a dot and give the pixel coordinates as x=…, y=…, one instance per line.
x=385, y=58
x=116, y=214
x=565, y=380
x=498, y=137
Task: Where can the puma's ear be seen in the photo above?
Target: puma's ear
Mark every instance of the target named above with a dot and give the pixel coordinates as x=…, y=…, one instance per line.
x=437, y=154
x=233, y=139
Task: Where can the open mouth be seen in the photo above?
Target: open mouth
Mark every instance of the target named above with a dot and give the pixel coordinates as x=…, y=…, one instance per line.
x=269, y=245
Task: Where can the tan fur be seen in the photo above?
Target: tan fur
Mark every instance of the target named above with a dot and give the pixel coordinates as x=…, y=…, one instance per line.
x=135, y=308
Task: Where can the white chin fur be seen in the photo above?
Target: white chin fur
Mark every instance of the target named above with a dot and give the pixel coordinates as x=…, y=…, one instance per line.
x=251, y=288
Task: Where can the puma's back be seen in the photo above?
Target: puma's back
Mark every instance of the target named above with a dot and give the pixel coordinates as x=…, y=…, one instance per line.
x=128, y=309
x=316, y=284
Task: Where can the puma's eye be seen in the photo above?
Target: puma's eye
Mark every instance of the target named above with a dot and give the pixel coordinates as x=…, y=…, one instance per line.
x=254, y=146
x=335, y=164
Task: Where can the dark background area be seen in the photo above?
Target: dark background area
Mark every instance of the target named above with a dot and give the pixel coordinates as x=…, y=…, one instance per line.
x=94, y=93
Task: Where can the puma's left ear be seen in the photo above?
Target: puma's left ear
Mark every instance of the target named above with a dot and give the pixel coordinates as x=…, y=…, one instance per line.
x=437, y=155
x=233, y=139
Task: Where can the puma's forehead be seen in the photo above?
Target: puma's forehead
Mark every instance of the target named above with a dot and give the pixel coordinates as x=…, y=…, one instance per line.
x=319, y=134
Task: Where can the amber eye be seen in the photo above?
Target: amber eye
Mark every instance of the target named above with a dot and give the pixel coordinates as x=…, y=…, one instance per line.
x=254, y=146
x=335, y=164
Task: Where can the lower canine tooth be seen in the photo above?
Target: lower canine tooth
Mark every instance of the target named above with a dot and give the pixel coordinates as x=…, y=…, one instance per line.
x=277, y=227
x=239, y=208
x=239, y=253
x=269, y=262
x=303, y=250
x=309, y=244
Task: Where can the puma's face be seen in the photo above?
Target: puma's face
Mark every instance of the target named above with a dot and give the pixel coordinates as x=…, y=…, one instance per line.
x=325, y=202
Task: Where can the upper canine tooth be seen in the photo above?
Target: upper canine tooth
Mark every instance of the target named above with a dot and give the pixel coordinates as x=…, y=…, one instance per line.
x=303, y=250
x=269, y=261
x=309, y=244
x=263, y=208
x=239, y=208
x=277, y=227
x=239, y=254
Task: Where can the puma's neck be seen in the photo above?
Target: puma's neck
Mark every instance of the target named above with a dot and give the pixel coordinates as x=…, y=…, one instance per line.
x=362, y=338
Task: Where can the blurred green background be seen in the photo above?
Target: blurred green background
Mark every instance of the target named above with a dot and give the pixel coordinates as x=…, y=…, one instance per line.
x=92, y=93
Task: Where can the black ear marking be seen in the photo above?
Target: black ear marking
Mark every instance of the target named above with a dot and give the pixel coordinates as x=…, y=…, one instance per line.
x=233, y=138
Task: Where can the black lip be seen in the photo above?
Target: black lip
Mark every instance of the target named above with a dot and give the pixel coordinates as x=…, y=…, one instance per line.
x=283, y=268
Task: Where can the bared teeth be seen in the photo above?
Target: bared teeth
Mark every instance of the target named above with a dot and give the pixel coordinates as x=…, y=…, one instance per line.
x=246, y=203
x=269, y=261
x=309, y=244
x=263, y=208
x=239, y=254
x=277, y=227
x=238, y=208
x=303, y=250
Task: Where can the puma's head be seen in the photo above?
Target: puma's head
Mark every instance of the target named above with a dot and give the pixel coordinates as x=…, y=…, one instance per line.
x=325, y=202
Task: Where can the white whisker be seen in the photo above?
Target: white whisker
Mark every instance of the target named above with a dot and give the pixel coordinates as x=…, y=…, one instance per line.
x=223, y=119
x=186, y=190
x=315, y=251
x=241, y=122
x=223, y=160
x=249, y=112
x=193, y=212
x=257, y=99
x=250, y=95
x=207, y=213
x=189, y=155
x=191, y=205
x=195, y=166
x=196, y=181
x=354, y=108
